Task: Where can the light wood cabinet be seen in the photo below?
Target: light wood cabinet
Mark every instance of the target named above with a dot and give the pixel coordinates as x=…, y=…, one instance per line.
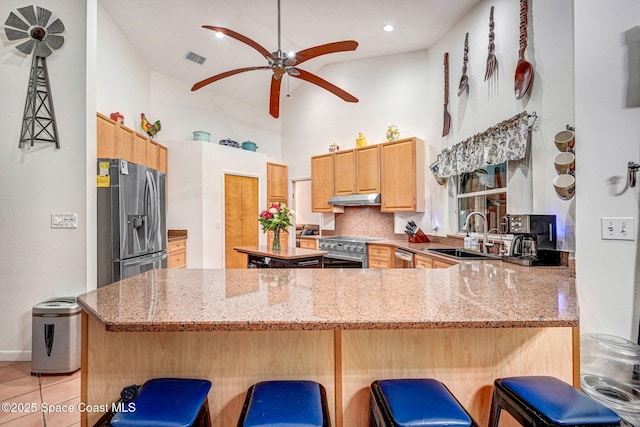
x=115, y=141
x=420, y=261
x=177, y=253
x=277, y=183
x=402, y=175
x=125, y=143
x=380, y=256
x=106, y=137
x=344, y=172
x=321, y=182
x=425, y=261
x=163, y=158
x=308, y=243
x=152, y=154
x=139, y=148
x=367, y=169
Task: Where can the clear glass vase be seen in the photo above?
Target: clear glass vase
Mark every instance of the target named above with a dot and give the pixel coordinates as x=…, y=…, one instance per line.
x=275, y=245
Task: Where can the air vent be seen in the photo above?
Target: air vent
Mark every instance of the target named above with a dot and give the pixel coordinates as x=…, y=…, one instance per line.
x=194, y=57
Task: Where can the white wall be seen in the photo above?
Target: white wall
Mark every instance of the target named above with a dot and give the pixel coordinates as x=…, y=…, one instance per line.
x=407, y=90
x=37, y=262
x=608, y=137
x=195, y=168
x=196, y=194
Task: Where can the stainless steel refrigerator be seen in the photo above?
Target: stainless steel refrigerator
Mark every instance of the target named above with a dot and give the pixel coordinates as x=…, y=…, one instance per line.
x=132, y=230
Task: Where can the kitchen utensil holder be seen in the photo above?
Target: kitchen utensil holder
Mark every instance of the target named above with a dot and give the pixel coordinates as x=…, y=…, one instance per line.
x=420, y=237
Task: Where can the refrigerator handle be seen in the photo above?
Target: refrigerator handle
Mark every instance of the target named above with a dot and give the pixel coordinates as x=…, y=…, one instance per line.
x=153, y=206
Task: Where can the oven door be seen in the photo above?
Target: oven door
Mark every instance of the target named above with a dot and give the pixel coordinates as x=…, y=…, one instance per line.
x=343, y=261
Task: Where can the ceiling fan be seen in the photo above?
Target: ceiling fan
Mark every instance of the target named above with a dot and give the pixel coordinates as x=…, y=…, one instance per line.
x=281, y=63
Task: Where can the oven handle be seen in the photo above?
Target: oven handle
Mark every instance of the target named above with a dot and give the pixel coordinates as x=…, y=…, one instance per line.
x=344, y=257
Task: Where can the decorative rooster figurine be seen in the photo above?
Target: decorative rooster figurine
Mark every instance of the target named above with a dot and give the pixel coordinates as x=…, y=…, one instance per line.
x=150, y=129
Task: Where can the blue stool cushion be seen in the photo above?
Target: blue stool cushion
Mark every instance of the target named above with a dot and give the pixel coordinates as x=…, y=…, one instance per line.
x=285, y=403
x=422, y=403
x=165, y=402
x=560, y=402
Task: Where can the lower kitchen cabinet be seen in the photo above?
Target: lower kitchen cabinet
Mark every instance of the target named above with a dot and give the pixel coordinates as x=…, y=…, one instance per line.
x=421, y=261
x=380, y=256
x=308, y=243
x=177, y=253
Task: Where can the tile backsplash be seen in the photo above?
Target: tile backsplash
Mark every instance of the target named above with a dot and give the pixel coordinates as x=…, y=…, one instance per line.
x=363, y=221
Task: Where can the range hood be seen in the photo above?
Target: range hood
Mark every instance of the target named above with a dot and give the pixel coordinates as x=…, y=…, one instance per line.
x=356, y=200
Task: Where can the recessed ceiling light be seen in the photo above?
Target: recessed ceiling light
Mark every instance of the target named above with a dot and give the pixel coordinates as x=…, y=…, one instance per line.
x=219, y=34
x=388, y=28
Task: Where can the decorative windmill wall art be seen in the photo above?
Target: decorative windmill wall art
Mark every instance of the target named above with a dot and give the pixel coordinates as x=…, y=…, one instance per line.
x=30, y=25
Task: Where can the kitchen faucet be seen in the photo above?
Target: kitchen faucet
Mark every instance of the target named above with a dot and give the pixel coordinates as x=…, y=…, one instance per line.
x=500, y=250
x=484, y=223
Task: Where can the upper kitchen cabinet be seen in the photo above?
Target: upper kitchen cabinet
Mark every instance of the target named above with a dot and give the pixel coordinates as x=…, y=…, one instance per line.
x=163, y=158
x=321, y=182
x=402, y=168
x=357, y=171
x=344, y=172
x=277, y=183
x=116, y=141
x=367, y=169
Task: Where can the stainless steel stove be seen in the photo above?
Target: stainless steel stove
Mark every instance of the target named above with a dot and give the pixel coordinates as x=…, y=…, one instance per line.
x=345, y=251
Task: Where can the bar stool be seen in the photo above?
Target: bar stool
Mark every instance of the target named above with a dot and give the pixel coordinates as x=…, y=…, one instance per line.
x=415, y=403
x=546, y=401
x=285, y=403
x=167, y=402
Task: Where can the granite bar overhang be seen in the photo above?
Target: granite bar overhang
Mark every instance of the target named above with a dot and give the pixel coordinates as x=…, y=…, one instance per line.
x=472, y=294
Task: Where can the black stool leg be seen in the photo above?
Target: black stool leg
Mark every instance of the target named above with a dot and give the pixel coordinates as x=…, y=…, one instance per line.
x=494, y=415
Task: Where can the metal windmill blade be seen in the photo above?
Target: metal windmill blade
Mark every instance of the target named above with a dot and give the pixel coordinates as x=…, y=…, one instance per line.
x=38, y=122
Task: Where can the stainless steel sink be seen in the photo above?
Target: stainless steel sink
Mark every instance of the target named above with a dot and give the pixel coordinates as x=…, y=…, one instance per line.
x=458, y=253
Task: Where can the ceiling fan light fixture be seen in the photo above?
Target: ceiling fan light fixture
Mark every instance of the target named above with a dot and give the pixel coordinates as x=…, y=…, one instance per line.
x=388, y=28
x=219, y=34
x=291, y=54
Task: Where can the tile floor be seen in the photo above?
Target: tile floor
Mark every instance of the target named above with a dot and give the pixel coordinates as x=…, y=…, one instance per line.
x=18, y=386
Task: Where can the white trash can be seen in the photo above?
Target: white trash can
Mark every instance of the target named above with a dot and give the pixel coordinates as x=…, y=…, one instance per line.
x=55, y=336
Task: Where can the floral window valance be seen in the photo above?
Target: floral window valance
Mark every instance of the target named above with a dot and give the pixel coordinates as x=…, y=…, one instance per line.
x=504, y=141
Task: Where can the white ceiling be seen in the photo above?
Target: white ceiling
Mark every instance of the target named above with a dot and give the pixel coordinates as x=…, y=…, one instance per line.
x=163, y=31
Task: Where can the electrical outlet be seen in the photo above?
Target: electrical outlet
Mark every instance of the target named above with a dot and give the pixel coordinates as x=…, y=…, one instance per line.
x=617, y=228
x=64, y=220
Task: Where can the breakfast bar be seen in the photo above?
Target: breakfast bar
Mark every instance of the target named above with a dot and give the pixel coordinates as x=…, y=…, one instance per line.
x=344, y=328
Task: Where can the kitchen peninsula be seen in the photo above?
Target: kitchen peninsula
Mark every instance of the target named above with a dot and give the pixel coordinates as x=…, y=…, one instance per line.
x=265, y=257
x=465, y=325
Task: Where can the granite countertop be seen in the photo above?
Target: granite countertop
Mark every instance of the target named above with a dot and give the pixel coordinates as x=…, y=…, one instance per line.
x=177, y=234
x=471, y=294
x=284, y=253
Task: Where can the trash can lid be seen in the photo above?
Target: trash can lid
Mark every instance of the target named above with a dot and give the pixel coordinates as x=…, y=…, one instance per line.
x=60, y=305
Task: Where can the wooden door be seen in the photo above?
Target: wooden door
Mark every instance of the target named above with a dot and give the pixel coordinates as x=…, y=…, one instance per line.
x=240, y=217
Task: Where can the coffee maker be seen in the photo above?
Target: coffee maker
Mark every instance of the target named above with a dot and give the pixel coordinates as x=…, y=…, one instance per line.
x=534, y=240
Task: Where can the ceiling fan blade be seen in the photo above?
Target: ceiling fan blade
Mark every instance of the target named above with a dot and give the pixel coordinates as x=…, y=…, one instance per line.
x=217, y=77
x=312, y=52
x=312, y=78
x=246, y=40
x=274, y=98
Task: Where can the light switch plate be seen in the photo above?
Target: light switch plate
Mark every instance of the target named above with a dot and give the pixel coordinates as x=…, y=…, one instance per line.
x=64, y=220
x=617, y=228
